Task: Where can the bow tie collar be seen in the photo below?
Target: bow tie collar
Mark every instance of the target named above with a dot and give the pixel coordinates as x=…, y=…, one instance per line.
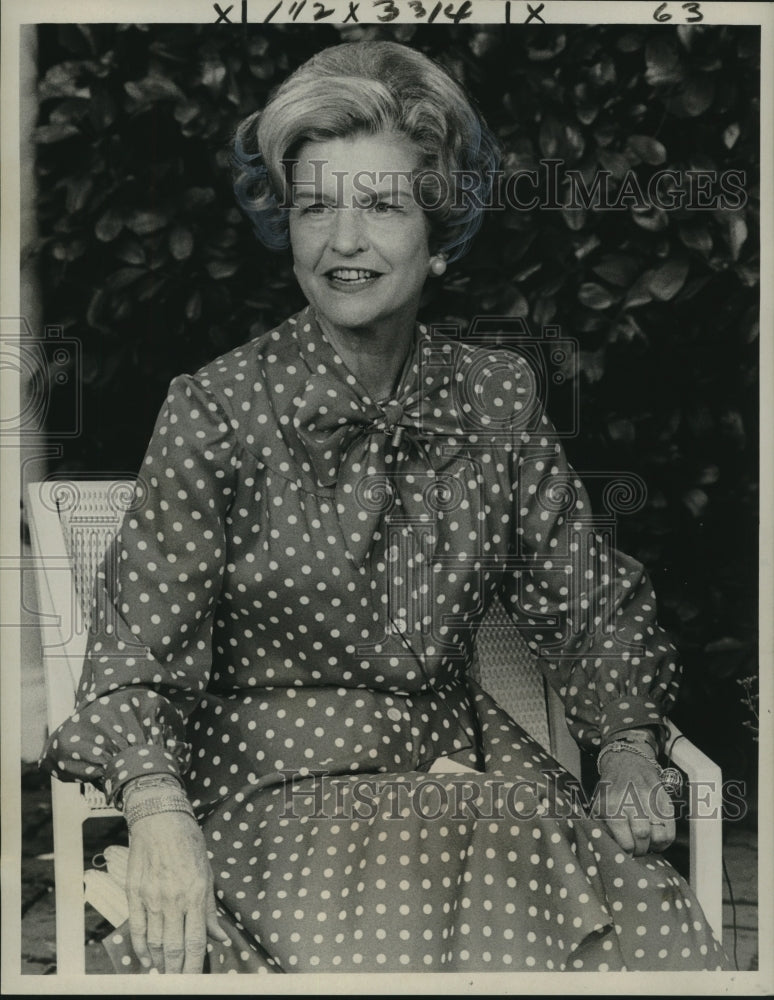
x=382, y=459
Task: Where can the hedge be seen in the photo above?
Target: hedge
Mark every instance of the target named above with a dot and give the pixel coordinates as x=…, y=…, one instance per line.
x=144, y=257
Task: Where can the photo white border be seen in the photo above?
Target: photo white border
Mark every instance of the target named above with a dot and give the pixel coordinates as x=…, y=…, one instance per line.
x=16, y=13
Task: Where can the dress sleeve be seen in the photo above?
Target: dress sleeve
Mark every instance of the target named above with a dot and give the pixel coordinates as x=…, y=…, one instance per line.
x=148, y=656
x=588, y=610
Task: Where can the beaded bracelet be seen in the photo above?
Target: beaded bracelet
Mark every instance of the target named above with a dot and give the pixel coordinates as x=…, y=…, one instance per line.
x=149, y=781
x=156, y=805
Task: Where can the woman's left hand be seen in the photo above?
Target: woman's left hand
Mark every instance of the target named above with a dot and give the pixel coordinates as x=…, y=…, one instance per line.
x=634, y=803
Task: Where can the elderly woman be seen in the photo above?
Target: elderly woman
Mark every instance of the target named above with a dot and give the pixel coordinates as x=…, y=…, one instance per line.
x=323, y=517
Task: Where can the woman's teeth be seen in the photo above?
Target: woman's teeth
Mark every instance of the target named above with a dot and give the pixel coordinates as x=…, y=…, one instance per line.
x=353, y=275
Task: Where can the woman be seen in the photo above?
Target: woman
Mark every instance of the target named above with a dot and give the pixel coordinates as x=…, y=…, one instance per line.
x=324, y=516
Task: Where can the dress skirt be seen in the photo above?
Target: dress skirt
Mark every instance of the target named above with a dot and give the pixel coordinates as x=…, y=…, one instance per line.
x=495, y=871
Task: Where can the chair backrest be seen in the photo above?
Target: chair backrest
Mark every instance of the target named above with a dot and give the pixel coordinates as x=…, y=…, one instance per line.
x=72, y=522
x=71, y=525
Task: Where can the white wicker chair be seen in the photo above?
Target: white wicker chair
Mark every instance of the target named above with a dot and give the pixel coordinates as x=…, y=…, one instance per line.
x=71, y=524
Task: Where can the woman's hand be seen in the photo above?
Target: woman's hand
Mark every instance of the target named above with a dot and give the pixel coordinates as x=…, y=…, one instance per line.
x=634, y=804
x=171, y=899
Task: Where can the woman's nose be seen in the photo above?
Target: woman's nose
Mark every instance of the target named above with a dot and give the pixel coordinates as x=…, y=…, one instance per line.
x=348, y=234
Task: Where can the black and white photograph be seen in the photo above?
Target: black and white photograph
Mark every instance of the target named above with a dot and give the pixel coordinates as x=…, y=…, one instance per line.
x=387, y=564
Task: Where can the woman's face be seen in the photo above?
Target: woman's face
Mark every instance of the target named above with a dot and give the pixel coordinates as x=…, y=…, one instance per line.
x=359, y=239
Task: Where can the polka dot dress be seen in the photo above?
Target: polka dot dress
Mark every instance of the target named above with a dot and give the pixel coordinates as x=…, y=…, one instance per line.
x=288, y=624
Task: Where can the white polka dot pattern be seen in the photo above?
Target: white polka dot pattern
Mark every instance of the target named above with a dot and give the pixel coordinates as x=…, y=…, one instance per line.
x=258, y=628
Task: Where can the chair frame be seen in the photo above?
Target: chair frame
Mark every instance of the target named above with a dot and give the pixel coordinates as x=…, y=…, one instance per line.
x=64, y=632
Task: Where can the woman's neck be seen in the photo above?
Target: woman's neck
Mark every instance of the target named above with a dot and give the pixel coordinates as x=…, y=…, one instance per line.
x=375, y=357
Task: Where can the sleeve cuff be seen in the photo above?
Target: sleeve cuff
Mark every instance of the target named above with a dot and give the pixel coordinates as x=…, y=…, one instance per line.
x=631, y=713
x=134, y=762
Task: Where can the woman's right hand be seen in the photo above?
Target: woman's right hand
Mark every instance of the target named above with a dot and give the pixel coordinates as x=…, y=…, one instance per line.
x=170, y=892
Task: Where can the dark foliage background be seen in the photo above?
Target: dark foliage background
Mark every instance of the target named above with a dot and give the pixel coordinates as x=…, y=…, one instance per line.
x=144, y=258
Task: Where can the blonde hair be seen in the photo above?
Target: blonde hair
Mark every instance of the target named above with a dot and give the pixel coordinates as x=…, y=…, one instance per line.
x=369, y=87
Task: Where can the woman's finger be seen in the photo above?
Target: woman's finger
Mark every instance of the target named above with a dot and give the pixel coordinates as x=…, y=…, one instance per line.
x=640, y=827
x=622, y=834
x=174, y=943
x=213, y=924
x=138, y=929
x=155, y=937
x=195, y=940
x=662, y=831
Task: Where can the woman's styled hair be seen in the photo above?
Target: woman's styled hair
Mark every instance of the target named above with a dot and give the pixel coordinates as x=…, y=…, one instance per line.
x=370, y=87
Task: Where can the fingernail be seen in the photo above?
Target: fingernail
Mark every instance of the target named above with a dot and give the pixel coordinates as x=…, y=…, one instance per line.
x=145, y=963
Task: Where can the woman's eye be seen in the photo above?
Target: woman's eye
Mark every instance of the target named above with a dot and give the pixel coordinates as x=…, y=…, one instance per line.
x=385, y=207
x=316, y=208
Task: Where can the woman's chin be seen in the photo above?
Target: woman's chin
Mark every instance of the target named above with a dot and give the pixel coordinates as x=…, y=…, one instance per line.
x=349, y=310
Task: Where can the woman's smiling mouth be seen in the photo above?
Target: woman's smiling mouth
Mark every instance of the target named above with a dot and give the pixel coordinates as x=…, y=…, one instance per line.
x=351, y=277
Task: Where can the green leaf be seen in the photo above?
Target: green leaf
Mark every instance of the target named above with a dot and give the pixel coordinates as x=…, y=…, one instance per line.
x=662, y=60
x=555, y=45
x=198, y=197
x=193, y=307
x=730, y=135
x=709, y=475
x=519, y=306
x=648, y=149
x=551, y=137
x=108, y=226
x=47, y=134
x=181, y=243
x=152, y=89
x=586, y=107
x=698, y=95
x=78, y=191
x=736, y=232
x=544, y=311
x=574, y=218
x=592, y=365
x=621, y=430
x=697, y=237
x=618, y=269
x=130, y=251
x=123, y=278
x=213, y=74
x=616, y=163
x=666, y=281
x=639, y=294
x=603, y=72
x=630, y=41
x=627, y=330
x=595, y=296
x=653, y=219
x=222, y=268
x=145, y=222
x=696, y=501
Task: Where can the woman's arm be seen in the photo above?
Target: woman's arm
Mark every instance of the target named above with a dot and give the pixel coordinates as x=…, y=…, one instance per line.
x=589, y=612
x=148, y=661
x=169, y=879
x=148, y=655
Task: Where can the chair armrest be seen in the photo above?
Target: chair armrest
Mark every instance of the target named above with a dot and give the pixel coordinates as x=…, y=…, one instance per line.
x=705, y=823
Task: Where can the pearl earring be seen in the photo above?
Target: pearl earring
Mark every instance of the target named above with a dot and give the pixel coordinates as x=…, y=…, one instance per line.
x=437, y=266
